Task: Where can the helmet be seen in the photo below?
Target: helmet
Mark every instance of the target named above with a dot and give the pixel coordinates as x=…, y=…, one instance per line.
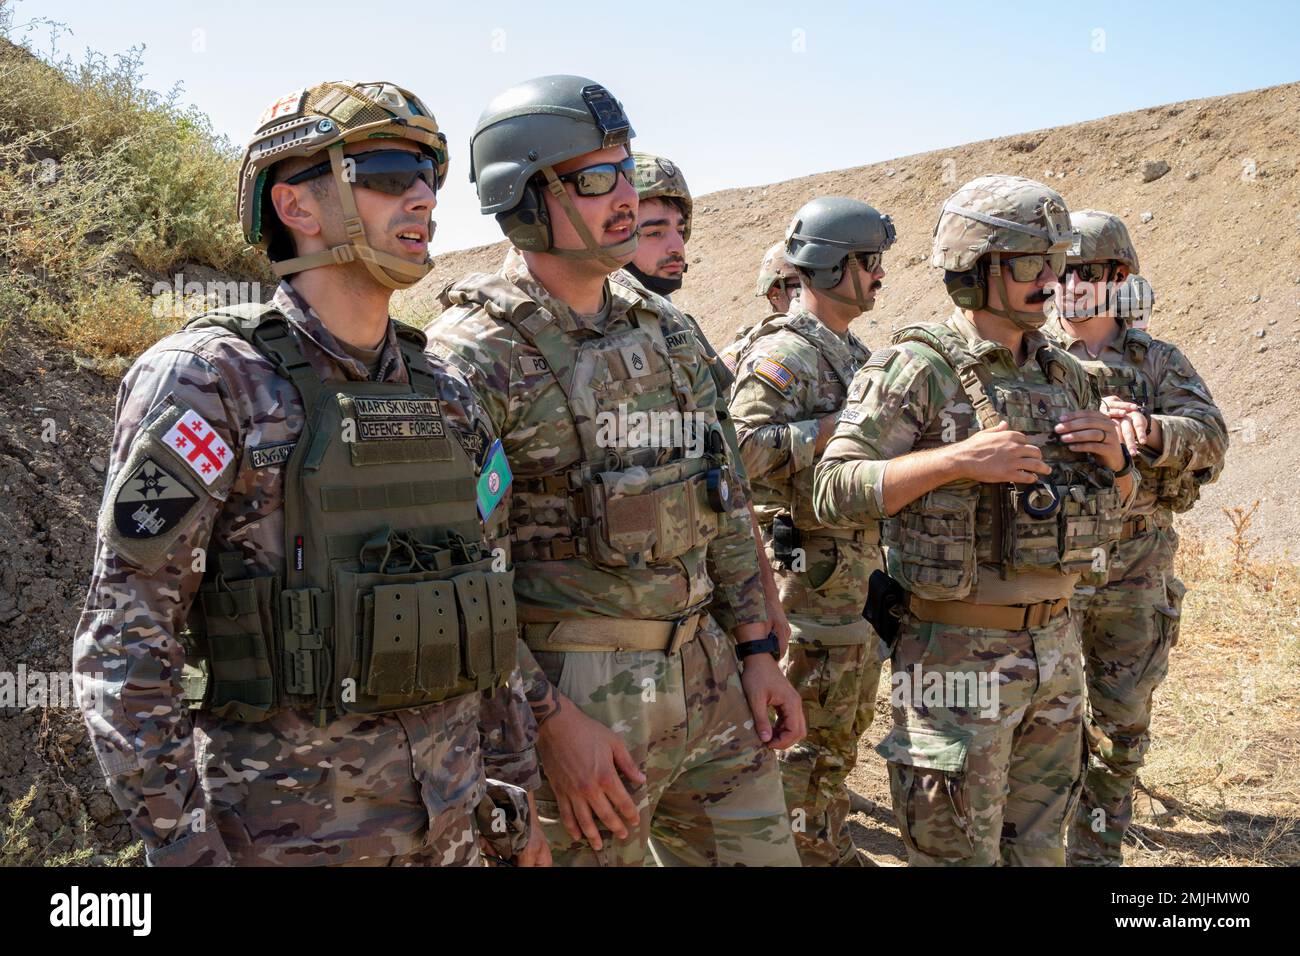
x=1134, y=301
x=325, y=118
x=526, y=131
x=659, y=178
x=991, y=216
x=774, y=267
x=1099, y=237
x=822, y=235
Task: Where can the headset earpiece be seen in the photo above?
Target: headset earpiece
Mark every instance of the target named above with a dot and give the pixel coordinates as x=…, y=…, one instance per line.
x=968, y=289
x=527, y=225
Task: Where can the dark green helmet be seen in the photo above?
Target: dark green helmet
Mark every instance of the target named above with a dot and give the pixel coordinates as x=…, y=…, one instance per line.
x=525, y=132
x=825, y=232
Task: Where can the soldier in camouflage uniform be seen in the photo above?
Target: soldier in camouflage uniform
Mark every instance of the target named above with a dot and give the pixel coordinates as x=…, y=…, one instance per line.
x=1177, y=437
x=235, y=727
x=633, y=558
x=999, y=482
x=664, y=216
x=794, y=373
x=778, y=283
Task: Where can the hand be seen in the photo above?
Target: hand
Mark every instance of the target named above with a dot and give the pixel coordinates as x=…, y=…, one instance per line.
x=1136, y=427
x=538, y=851
x=765, y=686
x=583, y=759
x=1095, y=433
x=999, y=454
x=779, y=624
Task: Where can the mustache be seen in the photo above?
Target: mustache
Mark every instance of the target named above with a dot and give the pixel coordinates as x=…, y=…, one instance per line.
x=1042, y=295
x=877, y=286
x=619, y=219
x=670, y=260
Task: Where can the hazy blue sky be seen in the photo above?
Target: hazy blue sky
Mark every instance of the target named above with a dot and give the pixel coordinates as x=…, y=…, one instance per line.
x=736, y=93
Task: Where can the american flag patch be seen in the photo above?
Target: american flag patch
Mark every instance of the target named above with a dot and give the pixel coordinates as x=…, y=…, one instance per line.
x=774, y=372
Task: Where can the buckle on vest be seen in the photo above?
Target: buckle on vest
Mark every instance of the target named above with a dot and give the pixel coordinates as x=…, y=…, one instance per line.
x=683, y=631
x=302, y=639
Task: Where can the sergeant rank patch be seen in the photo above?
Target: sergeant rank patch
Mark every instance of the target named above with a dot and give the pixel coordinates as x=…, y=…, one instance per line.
x=150, y=502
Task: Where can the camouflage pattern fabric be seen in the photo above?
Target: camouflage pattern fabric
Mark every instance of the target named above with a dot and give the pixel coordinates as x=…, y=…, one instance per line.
x=967, y=788
x=540, y=434
x=793, y=372
x=1130, y=625
x=712, y=795
x=201, y=790
x=838, y=685
x=976, y=785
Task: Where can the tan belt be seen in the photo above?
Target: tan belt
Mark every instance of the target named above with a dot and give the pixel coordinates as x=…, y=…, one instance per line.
x=612, y=634
x=1014, y=617
x=860, y=535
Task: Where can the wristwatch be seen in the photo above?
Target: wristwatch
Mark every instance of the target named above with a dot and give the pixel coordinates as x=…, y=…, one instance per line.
x=1128, y=461
x=764, y=645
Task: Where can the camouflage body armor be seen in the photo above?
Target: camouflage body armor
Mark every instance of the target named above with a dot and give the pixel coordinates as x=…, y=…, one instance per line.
x=844, y=357
x=936, y=542
x=620, y=506
x=386, y=599
x=1175, y=489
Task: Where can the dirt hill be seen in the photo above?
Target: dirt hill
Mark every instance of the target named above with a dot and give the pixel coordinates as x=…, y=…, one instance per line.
x=1221, y=248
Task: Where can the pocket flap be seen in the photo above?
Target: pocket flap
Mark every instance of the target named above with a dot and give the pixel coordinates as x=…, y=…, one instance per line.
x=926, y=747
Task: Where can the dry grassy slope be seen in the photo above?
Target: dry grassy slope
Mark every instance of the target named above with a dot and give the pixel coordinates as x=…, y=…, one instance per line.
x=1222, y=251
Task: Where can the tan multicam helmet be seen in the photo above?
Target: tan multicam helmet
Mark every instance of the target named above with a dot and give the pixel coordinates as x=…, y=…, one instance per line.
x=659, y=178
x=996, y=215
x=1102, y=236
x=774, y=267
x=323, y=118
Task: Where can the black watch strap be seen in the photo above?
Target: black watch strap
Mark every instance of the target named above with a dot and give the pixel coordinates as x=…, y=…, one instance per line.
x=764, y=645
x=1128, y=461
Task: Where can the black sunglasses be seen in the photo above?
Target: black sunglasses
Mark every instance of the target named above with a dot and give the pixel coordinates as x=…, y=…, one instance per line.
x=1089, y=271
x=389, y=171
x=599, y=180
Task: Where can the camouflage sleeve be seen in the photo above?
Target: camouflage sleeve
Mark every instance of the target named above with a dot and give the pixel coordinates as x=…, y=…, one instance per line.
x=507, y=729
x=1195, y=435
x=769, y=405
x=482, y=349
x=891, y=401
x=126, y=660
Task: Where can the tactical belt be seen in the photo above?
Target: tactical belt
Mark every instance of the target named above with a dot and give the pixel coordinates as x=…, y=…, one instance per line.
x=1142, y=524
x=1015, y=617
x=612, y=634
x=860, y=535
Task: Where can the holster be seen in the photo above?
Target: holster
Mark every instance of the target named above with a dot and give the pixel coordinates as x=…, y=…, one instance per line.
x=785, y=539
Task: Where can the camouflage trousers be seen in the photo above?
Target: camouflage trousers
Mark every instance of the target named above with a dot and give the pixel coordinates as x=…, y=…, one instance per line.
x=455, y=846
x=834, y=664
x=1128, y=629
x=838, y=686
x=986, y=750
x=712, y=795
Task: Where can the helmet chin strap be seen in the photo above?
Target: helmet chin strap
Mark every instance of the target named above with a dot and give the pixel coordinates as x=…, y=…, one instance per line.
x=1027, y=321
x=613, y=256
x=381, y=265
x=865, y=304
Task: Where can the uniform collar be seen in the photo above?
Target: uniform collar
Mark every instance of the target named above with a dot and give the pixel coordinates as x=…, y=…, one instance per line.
x=986, y=349
x=1069, y=340
x=309, y=326
x=617, y=297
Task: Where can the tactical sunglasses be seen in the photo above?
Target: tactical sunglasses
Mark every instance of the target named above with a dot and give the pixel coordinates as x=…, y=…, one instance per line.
x=389, y=171
x=1089, y=271
x=788, y=286
x=599, y=180
x=870, y=261
x=1028, y=268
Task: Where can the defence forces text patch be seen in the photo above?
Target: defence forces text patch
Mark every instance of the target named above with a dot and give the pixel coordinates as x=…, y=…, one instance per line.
x=390, y=419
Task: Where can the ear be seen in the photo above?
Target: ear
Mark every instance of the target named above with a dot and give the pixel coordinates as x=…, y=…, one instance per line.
x=1121, y=273
x=297, y=208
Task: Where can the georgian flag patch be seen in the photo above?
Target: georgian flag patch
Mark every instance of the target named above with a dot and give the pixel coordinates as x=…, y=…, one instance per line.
x=196, y=444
